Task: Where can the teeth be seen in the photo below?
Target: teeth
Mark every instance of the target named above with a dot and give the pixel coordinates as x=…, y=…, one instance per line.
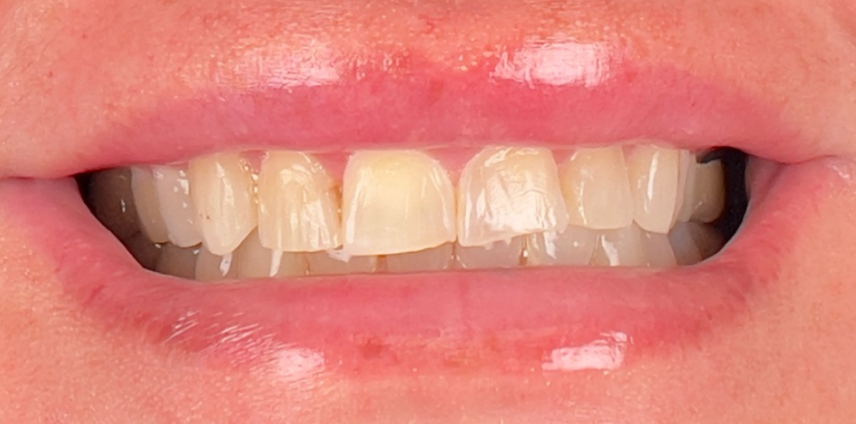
x=298, y=204
x=654, y=175
x=505, y=192
x=693, y=242
x=622, y=247
x=222, y=192
x=252, y=260
x=176, y=206
x=148, y=206
x=112, y=201
x=596, y=189
x=335, y=262
x=143, y=250
x=658, y=250
x=435, y=259
x=709, y=193
x=177, y=261
x=211, y=267
x=396, y=202
x=574, y=246
x=499, y=254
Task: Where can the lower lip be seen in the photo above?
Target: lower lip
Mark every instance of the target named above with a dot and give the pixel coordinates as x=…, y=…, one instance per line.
x=506, y=320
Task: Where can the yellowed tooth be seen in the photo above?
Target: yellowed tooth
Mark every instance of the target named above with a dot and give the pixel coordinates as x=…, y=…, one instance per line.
x=112, y=202
x=221, y=186
x=709, y=196
x=252, y=260
x=596, y=190
x=658, y=250
x=434, y=259
x=499, y=254
x=177, y=261
x=335, y=262
x=148, y=207
x=694, y=242
x=574, y=246
x=653, y=174
x=505, y=192
x=176, y=206
x=396, y=202
x=298, y=204
x=622, y=247
x=211, y=267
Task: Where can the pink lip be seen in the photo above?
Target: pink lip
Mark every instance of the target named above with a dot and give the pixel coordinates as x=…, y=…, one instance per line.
x=508, y=320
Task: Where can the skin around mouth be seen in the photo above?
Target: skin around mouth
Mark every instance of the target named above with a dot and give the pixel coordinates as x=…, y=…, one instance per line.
x=752, y=335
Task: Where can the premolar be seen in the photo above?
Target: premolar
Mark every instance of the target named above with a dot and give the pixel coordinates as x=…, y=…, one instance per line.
x=176, y=206
x=148, y=205
x=654, y=176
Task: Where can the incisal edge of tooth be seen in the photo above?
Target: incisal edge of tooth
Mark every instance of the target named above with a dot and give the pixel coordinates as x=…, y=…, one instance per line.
x=112, y=201
x=177, y=261
x=336, y=262
x=298, y=204
x=653, y=173
x=596, y=189
x=506, y=192
x=148, y=206
x=622, y=247
x=222, y=190
x=396, y=202
x=434, y=259
x=176, y=206
x=709, y=193
x=252, y=260
x=499, y=254
x=574, y=246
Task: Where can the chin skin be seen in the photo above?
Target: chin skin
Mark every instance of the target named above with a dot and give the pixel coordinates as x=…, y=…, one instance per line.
x=789, y=359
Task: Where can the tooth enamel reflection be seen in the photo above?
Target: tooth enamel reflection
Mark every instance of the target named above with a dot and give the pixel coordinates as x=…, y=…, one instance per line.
x=176, y=206
x=252, y=260
x=435, y=259
x=693, y=242
x=148, y=207
x=505, y=192
x=112, y=201
x=336, y=262
x=574, y=246
x=709, y=193
x=298, y=204
x=177, y=261
x=396, y=202
x=653, y=174
x=222, y=192
x=622, y=247
x=211, y=267
x=499, y=254
x=596, y=190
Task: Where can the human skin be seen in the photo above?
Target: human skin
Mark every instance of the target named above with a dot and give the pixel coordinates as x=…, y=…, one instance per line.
x=73, y=69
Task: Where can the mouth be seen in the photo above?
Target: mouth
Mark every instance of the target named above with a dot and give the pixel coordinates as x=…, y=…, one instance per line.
x=544, y=275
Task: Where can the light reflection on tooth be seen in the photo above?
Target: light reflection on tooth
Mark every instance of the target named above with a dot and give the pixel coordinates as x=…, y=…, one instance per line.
x=596, y=189
x=396, y=202
x=252, y=260
x=176, y=206
x=336, y=262
x=658, y=250
x=574, y=246
x=144, y=250
x=622, y=247
x=148, y=206
x=298, y=204
x=653, y=174
x=499, y=254
x=709, y=199
x=112, y=201
x=222, y=189
x=211, y=267
x=434, y=259
x=505, y=192
x=177, y=261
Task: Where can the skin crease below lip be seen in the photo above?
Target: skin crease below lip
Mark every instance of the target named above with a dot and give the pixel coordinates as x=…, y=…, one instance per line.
x=700, y=382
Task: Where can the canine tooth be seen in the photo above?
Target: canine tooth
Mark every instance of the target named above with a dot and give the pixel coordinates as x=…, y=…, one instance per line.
x=622, y=247
x=298, y=204
x=335, y=262
x=653, y=174
x=658, y=250
x=176, y=206
x=211, y=267
x=709, y=198
x=506, y=192
x=112, y=202
x=574, y=246
x=252, y=260
x=596, y=189
x=222, y=192
x=144, y=250
x=434, y=259
x=396, y=202
x=148, y=206
x=498, y=254
x=177, y=261
x=686, y=186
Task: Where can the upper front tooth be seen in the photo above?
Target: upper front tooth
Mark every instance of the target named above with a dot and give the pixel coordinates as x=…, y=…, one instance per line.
x=222, y=192
x=395, y=202
x=298, y=204
x=176, y=206
x=709, y=192
x=653, y=174
x=506, y=192
x=148, y=206
x=596, y=189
